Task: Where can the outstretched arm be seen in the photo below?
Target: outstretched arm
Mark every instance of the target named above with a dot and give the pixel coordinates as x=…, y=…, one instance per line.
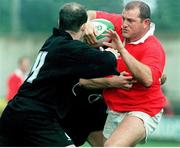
x=91, y=14
x=122, y=81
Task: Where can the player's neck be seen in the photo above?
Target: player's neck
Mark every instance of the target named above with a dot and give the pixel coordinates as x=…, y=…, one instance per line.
x=74, y=35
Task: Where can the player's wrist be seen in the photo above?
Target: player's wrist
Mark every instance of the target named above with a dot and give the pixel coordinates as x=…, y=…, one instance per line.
x=121, y=49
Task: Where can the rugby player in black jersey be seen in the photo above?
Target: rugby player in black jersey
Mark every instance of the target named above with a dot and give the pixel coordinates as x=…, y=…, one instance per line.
x=49, y=110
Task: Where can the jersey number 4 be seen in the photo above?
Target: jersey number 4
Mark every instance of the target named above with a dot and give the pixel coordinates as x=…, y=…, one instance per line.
x=37, y=66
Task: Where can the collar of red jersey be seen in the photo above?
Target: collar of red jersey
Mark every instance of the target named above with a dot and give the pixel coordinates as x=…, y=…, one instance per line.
x=149, y=33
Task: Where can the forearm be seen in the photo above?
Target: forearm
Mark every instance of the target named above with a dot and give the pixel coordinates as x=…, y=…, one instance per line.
x=91, y=14
x=95, y=83
x=122, y=81
x=140, y=71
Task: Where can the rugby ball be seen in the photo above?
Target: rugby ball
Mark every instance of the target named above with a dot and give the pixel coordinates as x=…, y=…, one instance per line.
x=101, y=26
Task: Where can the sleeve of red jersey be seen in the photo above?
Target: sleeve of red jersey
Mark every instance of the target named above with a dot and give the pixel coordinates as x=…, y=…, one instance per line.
x=154, y=57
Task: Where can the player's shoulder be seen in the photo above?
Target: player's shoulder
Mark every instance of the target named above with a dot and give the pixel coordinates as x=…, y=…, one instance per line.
x=104, y=14
x=153, y=41
x=79, y=45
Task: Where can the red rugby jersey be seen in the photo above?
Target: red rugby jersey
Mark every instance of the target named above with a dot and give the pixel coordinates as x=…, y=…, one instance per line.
x=149, y=100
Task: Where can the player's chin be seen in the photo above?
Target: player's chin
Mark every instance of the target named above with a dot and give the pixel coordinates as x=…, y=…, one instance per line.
x=125, y=35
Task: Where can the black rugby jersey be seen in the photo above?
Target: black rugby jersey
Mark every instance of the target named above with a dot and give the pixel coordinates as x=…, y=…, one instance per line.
x=59, y=65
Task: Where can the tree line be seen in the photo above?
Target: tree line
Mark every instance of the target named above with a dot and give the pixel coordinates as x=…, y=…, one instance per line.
x=41, y=15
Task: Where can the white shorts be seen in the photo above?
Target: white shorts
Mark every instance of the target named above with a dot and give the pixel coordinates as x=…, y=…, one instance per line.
x=114, y=118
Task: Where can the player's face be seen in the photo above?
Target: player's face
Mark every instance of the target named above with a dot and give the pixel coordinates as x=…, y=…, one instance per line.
x=25, y=65
x=133, y=27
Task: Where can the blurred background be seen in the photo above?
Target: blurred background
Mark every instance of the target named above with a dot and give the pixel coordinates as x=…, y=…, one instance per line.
x=26, y=24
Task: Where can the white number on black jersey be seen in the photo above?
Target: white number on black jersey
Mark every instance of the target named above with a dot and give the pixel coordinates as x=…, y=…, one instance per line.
x=37, y=66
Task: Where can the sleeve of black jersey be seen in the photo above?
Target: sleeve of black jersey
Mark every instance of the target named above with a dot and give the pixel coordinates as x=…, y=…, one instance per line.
x=92, y=63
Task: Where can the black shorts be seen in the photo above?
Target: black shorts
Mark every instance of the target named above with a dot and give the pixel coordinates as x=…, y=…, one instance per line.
x=31, y=129
x=85, y=117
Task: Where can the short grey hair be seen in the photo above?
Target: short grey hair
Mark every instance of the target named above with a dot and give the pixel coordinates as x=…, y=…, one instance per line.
x=144, y=9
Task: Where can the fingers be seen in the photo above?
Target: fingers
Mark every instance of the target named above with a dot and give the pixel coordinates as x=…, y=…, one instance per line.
x=128, y=77
x=115, y=40
x=90, y=39
x=128, y=80
x=128, y=86
x=110, y=33
x=90, y=33
x=107, y=44
x=134, y=81
x=125, y=73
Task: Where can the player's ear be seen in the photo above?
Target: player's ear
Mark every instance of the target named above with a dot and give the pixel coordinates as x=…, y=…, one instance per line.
x=146, y=22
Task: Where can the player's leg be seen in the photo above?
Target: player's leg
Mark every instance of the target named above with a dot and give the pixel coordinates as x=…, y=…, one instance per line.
x=41, y=129
x=86, y=122
x=129, y=132
x=96, y=138
x=86, y=119
x=4, y=140
x=7, y=130
x=97, y=119
x=128, y=129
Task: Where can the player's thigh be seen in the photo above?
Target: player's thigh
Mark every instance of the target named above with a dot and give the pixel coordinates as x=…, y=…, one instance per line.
x=43, y=130
x=128, y=132
x=85, y=119
x=4, y=140
x=9, y=125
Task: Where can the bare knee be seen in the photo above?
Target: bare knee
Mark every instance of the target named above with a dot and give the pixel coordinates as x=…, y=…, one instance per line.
x=127, y=134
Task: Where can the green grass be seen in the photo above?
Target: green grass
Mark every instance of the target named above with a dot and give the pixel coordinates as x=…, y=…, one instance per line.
x=152, y=143
x=160, y=143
